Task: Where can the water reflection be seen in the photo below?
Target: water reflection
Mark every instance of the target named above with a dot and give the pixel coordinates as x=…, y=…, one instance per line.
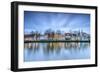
x=56, y=51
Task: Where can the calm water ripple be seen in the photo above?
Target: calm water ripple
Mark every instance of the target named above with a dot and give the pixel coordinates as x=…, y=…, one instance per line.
x=56, y=51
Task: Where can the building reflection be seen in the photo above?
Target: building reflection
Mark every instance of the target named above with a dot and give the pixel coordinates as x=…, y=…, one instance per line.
x=32, y=46
x=56, y=47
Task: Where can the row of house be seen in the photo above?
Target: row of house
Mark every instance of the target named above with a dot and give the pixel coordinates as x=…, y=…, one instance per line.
x=58, y=36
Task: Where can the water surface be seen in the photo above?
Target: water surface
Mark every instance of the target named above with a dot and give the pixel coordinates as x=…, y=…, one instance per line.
x=56, y=51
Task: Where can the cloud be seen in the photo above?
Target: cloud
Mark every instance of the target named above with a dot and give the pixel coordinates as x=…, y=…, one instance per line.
x=41, y=21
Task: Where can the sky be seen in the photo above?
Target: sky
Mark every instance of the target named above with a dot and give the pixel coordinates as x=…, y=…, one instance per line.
x=41, y=21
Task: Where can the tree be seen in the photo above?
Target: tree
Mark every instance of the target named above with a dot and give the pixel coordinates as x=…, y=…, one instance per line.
x=48, y=32
x=58, y=32
x=33, y=34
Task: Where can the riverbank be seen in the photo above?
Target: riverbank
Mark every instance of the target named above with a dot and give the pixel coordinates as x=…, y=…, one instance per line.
x=28, y=41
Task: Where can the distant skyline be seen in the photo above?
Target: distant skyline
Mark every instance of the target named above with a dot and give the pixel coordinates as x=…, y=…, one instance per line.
x=41, y=21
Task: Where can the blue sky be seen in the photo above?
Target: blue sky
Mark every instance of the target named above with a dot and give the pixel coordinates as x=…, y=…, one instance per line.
x=41, y=21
